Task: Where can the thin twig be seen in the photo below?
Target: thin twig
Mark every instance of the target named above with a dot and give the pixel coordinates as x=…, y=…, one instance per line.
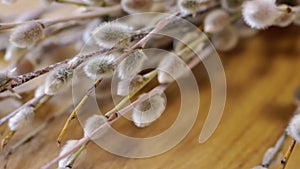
x=19, y=80
x=141, y=43
x=47, y=22
x=288, y=154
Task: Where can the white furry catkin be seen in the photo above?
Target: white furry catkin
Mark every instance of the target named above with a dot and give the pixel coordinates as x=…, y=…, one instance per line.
x=112, y=34
x=131, y=65
x=170, y=68
x=260, y=14
x=62, y=164
x=136, y=6
x=57, y=79
x=22, y=118
x=92, y=123
x=148, y=111
x=225, y=40
x=216, y=20
x=26, y=35
x=100, y=67
x=187, y=7
x=126, y=86
x=294, y=128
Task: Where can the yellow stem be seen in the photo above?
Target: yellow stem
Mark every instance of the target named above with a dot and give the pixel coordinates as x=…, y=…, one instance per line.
x=77, y=154
x=7, y=138
x=73, y=115
x=288, y=154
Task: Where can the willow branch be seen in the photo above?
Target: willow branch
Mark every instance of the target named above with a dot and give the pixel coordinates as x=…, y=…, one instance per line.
x=48, y=22
x=19, y=80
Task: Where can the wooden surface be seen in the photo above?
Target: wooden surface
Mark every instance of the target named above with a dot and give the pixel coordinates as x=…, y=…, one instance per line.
x=261, y=73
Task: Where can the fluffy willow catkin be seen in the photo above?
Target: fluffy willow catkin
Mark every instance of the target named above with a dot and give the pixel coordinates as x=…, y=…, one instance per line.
x=294, y=128
x=100, y=67
x=148, y=111
x=126, y=86
x=23, y=117
x=216, y=20
x=92, y=123
x=62, y=164
x=170, y=68
x=260, y=14
x=58, y=79
x=26, y=35
x=131, y=65
x=112, y=34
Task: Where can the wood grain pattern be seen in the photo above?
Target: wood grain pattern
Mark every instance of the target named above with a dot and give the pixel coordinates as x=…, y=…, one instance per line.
x=261, y=73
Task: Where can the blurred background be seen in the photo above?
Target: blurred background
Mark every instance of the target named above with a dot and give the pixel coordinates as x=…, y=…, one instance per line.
x=262, y=74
